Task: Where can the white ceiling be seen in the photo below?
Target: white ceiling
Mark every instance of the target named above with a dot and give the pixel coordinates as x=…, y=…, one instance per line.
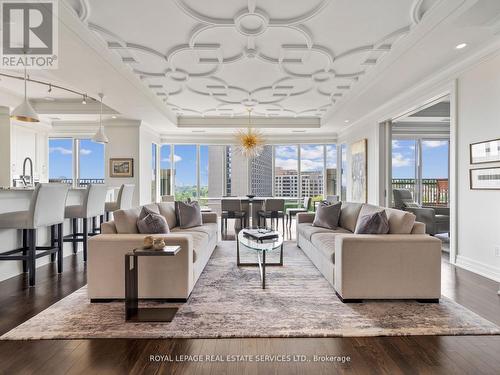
x=219, y=57
x=175, y=62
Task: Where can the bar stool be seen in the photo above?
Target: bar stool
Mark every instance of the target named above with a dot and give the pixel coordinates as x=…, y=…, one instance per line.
x=92, y=206
x=273, y=209
x=291, y=212
x=46, y=209
x=231, y=209
x=123, y=201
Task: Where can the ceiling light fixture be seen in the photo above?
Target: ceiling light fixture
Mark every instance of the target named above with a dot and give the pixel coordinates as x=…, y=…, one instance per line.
x=346, y=121
x=84, y=101
x=100, y=135
x=461, y=45
x=113, y=117
x=250, y=142
x=24, y=111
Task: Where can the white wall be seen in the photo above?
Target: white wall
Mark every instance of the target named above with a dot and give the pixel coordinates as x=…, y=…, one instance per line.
x=124, y=143
x=370, y=132
x=147, y=138
x=478, y=210
x=5, y=147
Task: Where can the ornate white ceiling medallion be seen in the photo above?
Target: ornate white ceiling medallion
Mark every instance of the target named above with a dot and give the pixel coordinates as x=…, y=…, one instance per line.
x=297, y=59
x=251, y=23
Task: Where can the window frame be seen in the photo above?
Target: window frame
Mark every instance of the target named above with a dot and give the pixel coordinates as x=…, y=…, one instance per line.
x=75, y=145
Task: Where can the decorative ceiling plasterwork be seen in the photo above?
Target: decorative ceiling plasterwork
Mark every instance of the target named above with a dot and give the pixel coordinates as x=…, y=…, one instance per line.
x=297, y=63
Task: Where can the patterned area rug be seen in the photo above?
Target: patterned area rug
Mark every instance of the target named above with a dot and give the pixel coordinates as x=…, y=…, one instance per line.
x=228, y=301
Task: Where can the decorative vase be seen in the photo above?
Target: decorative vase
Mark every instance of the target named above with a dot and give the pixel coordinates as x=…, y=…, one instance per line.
x=148, y=242
x=158, y=243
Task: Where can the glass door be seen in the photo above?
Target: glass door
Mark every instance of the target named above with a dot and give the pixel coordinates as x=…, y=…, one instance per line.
x=434, y=172
x=422, y=166
x=405, y=166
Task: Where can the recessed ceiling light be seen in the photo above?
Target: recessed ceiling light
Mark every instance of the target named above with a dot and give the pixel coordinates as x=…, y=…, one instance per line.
x=113, y=116
x=461, y=45
x=346, y=121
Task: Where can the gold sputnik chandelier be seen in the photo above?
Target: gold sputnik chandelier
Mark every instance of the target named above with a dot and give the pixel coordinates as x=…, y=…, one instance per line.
x=249, y=142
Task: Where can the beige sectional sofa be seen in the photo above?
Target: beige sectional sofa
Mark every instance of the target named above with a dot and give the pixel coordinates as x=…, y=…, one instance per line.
x=404, y=264
x=170, y=277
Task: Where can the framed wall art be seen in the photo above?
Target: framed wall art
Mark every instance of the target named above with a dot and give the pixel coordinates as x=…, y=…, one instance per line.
x=121, y=167
x=485, y=152
x=485, y=178
x=359, y=168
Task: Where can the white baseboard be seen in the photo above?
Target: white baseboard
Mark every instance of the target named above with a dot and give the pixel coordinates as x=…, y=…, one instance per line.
x=478, y=267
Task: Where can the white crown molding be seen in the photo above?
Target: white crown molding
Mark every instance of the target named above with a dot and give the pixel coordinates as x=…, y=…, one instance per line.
x=229, y=139
x=243, y=122
x=432, y=88
x=435, y=16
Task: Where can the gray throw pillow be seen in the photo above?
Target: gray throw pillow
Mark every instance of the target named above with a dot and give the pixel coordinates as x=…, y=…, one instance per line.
x=376, y=223
x=153, y=224
x=410, y=204
x=145, y=211
x=188, y=214
x=327, y=215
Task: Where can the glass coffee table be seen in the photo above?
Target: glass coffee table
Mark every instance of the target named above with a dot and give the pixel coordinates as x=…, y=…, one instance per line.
x=261, y=247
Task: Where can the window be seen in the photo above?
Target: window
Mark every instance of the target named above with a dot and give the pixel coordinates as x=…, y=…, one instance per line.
x=185, y=177
x=312, y=164
x=90, y=162
x=61, y=160
x=204, y=172
x=286, y=172
x=261, y=178
x=343, y=172
x=87, y=168
x=165, y=170
x=228, y=176
x=154, y=171
x=331, y=169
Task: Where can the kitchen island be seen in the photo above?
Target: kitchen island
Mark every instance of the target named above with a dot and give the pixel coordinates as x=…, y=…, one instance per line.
x=18, y=199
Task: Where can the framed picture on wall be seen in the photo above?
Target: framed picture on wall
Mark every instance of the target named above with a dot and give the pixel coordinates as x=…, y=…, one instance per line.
x=121, y=167
x=359, y=168
x=485, y=152
x=485, y=178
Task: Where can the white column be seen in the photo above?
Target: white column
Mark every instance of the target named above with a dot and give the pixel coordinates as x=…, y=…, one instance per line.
x=5, y=147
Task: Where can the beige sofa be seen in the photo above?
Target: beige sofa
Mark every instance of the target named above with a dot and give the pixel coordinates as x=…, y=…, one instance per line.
x=404, y=264
x=159, y=277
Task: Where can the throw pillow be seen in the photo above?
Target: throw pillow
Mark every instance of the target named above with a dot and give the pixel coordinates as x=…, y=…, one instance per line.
x=411, y=204
x=327, y=215
x=153, y=224
x=188, y=214
x=376, y=223
x=147, y=210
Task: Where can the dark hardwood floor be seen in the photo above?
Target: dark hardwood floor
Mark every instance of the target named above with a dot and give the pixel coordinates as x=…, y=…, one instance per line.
x=379, y=355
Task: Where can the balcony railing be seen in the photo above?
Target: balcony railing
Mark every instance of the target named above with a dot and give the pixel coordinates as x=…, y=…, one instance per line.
x=435, y=192
x=80, y=182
